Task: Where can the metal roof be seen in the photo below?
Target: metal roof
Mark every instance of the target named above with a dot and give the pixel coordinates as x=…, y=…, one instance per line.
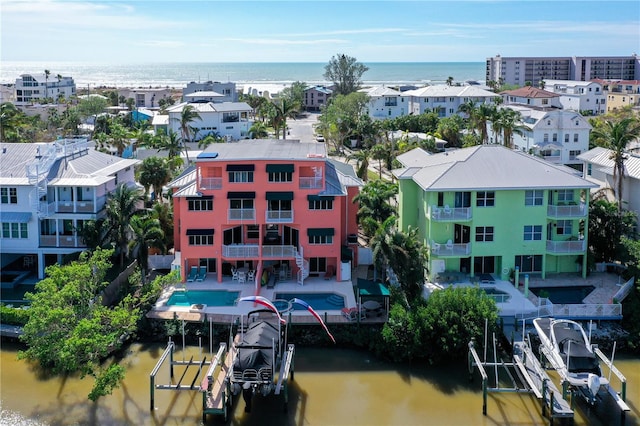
x=600, y=157
x=15, y=217
x=443, y=90
x=487, y=167
x=202, y=107
x=378, y=91
x=261, y=149
x=187, y=176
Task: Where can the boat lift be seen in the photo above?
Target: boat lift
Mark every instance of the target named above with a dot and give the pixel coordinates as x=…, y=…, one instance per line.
x=534, y=379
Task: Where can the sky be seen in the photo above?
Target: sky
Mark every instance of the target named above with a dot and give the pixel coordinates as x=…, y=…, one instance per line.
x=125, y=31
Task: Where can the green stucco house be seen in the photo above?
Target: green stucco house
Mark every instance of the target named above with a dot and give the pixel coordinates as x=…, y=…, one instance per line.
x=488, y=209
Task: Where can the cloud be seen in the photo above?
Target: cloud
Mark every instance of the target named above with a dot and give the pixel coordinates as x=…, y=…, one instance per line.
x=282, y=41
x=532, y=27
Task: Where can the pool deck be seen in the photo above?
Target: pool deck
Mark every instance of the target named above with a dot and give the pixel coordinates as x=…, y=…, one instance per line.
x=228, y=314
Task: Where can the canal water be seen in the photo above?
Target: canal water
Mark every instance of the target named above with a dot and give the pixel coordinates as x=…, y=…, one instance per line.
x=331, y=387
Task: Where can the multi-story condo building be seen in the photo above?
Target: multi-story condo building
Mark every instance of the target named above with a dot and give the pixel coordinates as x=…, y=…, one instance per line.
x=522, y=69
x=32, y=88
x=145, y=97
x=227, y=90
x=316, y=97
x=48, y=191
x=446, y=100
x=582, y=96
x=598, y=168
x=385, y=102
x=227, y=119
x=488, y=209
x=558, y=136
x=621, y=93
x=260, y=203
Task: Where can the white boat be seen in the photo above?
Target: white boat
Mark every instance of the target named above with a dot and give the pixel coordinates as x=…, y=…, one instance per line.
x=570, y=353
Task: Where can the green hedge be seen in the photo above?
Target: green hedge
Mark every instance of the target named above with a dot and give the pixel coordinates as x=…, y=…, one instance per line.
x=13, y=316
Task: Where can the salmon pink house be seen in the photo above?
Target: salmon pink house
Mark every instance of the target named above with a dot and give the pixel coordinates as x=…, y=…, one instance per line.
x=258, y=211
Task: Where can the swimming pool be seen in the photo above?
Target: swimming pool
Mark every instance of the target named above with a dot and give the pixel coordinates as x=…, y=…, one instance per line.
x=498, y=295
x=564, y=295
x=318, y=301
x=203, y=297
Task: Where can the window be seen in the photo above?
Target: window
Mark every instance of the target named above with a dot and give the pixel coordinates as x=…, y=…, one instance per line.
x=253, y=232
x=321, y=204
x=485, y=198
x=589, y=169
x=9, y=195
x=200, y=240
x=533, y=232
x=240, y=177
x=573, y=154
x=15, y=230
x=575, y=137
x=566, y=138
x=564, y=227
x=320, y=239
x=565, y=195
x=533, y=197
x=279, y=205
x=484, y=233
x=546, y=137
x=529, y=263
x=555, y=137
x=280, y=177
x=545, y=101
x=200, y=204
x=241, y=204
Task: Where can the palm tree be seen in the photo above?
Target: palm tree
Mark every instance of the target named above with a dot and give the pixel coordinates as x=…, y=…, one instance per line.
x=258, y=130
x=616, y=136
x=483, y=114
x=210, y=139
x=285, y=108
x=8, y=119
x=47, y=73
x=187, y=116
x=163, y=212
x=379, y=152
x=507, y=121
x=154, y=171
x=449, y=81
x=362, y=163
x=374, y=206
x=119, y=137
x=122, y=205
x=145, y=232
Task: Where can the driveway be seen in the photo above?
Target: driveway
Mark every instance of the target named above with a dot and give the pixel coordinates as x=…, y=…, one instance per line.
x=302, y=128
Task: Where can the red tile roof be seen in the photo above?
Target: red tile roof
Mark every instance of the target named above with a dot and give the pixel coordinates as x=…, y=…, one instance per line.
x=530, y=92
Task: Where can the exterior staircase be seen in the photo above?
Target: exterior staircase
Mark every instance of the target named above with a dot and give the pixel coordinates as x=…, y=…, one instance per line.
x=303, y=266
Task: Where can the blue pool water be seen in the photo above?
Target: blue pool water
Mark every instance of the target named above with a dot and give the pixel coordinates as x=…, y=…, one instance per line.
x=318, y=301
x=204, y=297
x=497, y=295
x=564, y=295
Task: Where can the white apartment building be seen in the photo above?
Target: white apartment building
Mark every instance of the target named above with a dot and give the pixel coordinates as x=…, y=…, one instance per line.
x=521, y=69
x=531, y=96
x=582, y=96
x=47, y=192
x=446, y=100
x=145, y=97
x=228, y=119
x=31, y=88
x=385, y=102
x=227, y=90
x=558, y=136
x=598, y=168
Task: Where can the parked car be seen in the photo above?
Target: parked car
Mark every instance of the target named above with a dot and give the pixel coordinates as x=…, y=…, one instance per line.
x=320, y=138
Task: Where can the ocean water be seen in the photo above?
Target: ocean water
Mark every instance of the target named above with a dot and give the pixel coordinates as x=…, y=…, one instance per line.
x=177, y=75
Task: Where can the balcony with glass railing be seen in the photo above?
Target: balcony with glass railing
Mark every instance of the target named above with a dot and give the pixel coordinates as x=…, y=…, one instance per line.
x=449, y=249
x=566, y=247
x=570, y=209
x=210, y=183
x=278, y=216
x=242, y=214
x=310, y=182
x=450, y=214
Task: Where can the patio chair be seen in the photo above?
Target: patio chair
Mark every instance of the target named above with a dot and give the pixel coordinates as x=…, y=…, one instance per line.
x=242, y=277
x=351, y=314
x=234, y=274
x=447, y=210
x=435, y=248
x=193, y=274
x=251, y=275
x=202, y=274
x=450, y=246
x=436, y=213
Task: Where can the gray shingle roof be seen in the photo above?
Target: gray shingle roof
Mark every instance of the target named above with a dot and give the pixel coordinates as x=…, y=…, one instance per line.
x=486, y=167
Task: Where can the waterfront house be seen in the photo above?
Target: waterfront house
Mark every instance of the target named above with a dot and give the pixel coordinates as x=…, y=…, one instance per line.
x=32, y=88
x=598, y=168
x=531, y=96
x=225, y=92
x=586, y=97
x=385, y=102
x=445, y=100
x=47, y=192
x=145, y=97
x=558, y=136
x=489, y=209
x=227, y=119
x=269, y=206
x=316, y=97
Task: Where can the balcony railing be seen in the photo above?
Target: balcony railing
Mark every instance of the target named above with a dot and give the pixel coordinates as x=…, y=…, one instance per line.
x=567, y=211
x=445, y=214
x=552, y=158
x=61, y=241
x=450, y=249
x=278, y=216
x=566, y=247
x=279, y=251
x=211, y=183
x=310, y=182
x=242, y=214
x=243, y=251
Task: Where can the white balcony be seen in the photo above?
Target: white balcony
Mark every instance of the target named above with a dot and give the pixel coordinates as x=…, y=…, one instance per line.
x=242, y=214
x=450, y=249
x=310, y=182
x=278, y=216
x=279, y=251
x=448, y=214
x=241, y=251
x=566, y=247
x=573, y=210
x=211, y=183
x=552, y=158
